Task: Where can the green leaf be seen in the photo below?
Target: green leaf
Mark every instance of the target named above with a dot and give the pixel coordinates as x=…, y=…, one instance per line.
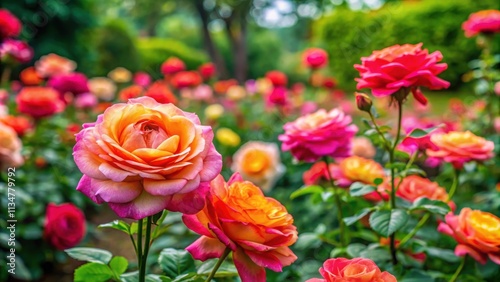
x=413, y=170
x=119, y=265
x=360, y=189
x=446, y=255
x=307, y=240
x=417, y=276
x=378, y=181
x=401, y=155
x=311, y=189
x=225, y=270
x=118, y=225
x=90, y=255
x=386, y=222
x=353, y=250
x=337, y=252
x=175, y=262
x=93, y=272
x=353, y=219
x=433, y=206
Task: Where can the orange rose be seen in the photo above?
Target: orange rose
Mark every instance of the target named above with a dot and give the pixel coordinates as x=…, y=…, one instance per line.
x=357, y=269
x=10, y=148
x=39, y=101
x=30, y=77
x=460, y=147
x=238, y=217
x=259, y=162
x=476, y=232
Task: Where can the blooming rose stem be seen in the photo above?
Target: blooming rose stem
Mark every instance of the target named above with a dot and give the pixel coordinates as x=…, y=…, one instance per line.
x=386, y=143
x=336, y=196
x=393, y=180
x=139, y=248
x=459, y=269
x=147, y=243
x=426, y=217
x=218, y=264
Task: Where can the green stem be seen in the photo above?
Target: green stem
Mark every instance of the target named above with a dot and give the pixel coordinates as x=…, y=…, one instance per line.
x=338, y=203
x=414, y=231
x=393, y=248
x=139, y=249
x=454, y=186
x=5, y=76
x=386, y=143
x=135, y=245
x=219, y=263
x=147, y=243
x=459, y=269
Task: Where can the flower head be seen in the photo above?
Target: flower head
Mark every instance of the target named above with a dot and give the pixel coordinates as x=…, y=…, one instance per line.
x=10, y=25
x=172, y=65
x=486, y=21
x=227, y=137
x=184, y=79
x=356, y=269
x=315, y=58
x=143, y=157
x=120, y=75
x=161, y=93
x=357, y=169
x=259, y=163
x=39, y=101
x=29, y=77
x=19, y=123
x=318, y=135
x=103, y=87
x=130, y=92
x=10, y=147
x=15, y=50
x=207, y=70
x=75, y=83
x=277, y=78
x=257, y=229
x=406, y=67
x=476, y=232
x=64, y=225
x=53, y=64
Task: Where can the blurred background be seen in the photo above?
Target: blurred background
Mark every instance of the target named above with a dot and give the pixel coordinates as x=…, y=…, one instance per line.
x=244, y=38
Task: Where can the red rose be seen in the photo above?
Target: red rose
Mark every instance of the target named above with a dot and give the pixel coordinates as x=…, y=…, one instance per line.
x=10, y=26
x=39, y=101
x=64, y=226
x=277, y=78
x=172, y=65
x=161, y=93
x=207, y=70
x=186, y=79
x=315, y=58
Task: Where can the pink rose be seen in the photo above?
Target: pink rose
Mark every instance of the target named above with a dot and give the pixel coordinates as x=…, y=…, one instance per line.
x=356, y=269
x=486, y=21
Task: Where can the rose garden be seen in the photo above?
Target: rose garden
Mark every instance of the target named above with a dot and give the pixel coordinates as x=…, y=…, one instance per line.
x=250, y=141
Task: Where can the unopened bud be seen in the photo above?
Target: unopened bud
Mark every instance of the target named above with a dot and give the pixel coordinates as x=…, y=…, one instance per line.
x=363, y=102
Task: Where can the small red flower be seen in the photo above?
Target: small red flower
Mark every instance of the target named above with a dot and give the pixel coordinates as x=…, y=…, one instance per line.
x=207, y=70
x=64, y=226
x=10, y=26
x=172, y=65
x=486, y=21
x=315, y=58
x=277, y=78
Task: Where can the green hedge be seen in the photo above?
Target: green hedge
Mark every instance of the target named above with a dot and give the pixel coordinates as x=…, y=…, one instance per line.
x=154, y=51
x=351, y=35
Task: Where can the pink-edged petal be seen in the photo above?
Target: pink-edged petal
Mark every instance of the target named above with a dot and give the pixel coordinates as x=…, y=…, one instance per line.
x=85, y=186
x=316, y=280
x=116, y=192
x=462, y=250
x=114, y=173
x=87, y=162
x=222, y=237
x=164, y=187
x=206, y=248
x=141, y=207
x=445, y=229
x=236, y=177
x=191, y=221
x=212, y=165
x=495, y=257
x=267, y=260
x=247, y=269
x=189, y=203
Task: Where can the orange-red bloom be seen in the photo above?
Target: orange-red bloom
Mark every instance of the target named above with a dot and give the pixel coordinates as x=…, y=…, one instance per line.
x=238, y=216
x=486, y=21
x=460, y=147
x=355, y=270
x=186, y=79
x=39, y=101
x=19, y=123
x=476, y=232
x=30, y=77
x=132, y=91
x=277, y=78
x=161, y=93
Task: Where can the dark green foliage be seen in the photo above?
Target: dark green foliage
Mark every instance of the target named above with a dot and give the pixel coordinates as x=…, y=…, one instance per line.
x=349, y=35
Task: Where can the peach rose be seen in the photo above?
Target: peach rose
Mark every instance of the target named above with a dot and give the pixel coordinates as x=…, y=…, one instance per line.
x=357, y=169
x=53, y=64
x=103, y=87
x=257, y=229
x=10, y=148
x=318, y=135
x=38, y=101
x=259, y=162
x=356, y=269
x=476, y=232
x=460, y=147
x=363, y=147
x=143, y=157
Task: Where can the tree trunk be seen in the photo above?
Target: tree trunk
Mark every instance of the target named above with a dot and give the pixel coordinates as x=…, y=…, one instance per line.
x=214, y=54
x=236, y=29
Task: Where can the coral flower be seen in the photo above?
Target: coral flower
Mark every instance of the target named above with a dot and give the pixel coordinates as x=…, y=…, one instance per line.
x=406, y=67
x=259, y=163
x=143, y=157
x=315, y=58
x=172, y=65
x=356, y=269
x=277, y=78
x=132, y=91
x=238, y=217
x=317, y=173
x=486, y=21
x=476, y=232
x=20, y=124
x=318, y=135
x=39, y=101
x=53, y=64
x=15, y=51
x=161, y=93
x=459, y=148
x=10, y=25
x=186, y=79
x=363, y=147
x=30, y=77
x=10, y=148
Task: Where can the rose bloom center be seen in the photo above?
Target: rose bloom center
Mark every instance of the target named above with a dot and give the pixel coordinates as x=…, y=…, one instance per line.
x=487, y=226
x=255, y=161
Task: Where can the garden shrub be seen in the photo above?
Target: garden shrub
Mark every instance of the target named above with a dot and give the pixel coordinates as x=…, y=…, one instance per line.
x=350, y=35
x=154, y=51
